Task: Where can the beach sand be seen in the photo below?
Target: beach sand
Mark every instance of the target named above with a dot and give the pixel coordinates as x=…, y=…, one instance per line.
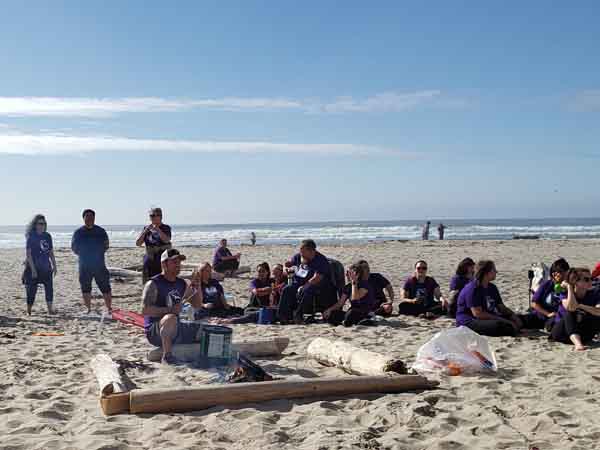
x=544, y=394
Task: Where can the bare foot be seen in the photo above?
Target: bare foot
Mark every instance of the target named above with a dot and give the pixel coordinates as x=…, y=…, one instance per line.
x=580, y=348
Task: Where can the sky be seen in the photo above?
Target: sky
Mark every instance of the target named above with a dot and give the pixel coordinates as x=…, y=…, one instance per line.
x=261, y=111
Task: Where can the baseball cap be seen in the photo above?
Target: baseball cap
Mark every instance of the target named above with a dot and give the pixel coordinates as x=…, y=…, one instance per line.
x=172, y=253
x=596, y=272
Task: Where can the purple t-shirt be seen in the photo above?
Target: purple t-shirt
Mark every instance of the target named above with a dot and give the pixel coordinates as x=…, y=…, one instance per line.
x=257, y=283
x=220, y=252
x=591, y=299
x=305, y=272
x=545, y=297
x=473, y=296
x=168, y=293
x=421, y=290
x=377, y=283
x=458, y=282
x=212, y=291
x=367, y=302
x=40, y=246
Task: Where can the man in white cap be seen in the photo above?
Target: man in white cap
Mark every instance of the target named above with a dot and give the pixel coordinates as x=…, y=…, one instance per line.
x=161, y=304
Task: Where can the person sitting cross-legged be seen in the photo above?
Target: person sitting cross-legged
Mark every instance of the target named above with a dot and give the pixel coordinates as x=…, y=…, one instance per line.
x=360, y=294
x=419, y=294
x=312, y=286
x=162, y=300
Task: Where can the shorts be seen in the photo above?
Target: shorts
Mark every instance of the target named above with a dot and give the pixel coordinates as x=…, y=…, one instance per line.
x=187, y=333
x=100, y=274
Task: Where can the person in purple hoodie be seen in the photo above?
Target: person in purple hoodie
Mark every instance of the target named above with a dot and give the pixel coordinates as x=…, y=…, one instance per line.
x=361, y=295
x=578, y=317
x=546, y=299
x=420, y=294
x=481, y=309
x=261, y=287
x=464, y=275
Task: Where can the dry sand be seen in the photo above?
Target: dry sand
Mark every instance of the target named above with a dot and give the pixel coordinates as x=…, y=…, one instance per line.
x=544, y=394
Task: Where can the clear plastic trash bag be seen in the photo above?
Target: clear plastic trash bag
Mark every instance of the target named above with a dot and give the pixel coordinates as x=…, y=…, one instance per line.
x=456, y=351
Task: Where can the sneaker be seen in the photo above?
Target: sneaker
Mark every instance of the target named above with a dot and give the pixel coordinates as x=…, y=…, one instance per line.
x=168, y=358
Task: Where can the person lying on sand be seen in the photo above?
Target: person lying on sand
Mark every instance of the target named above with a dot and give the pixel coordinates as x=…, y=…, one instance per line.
x=421, y=294
x=162, y=300
x=546, y=299
x=224, y=261
x=361, y=296
x=384, y=306
x=213, y=296
x=463, y=276
x=578, y=317
x=481, y=309
x=311, y=285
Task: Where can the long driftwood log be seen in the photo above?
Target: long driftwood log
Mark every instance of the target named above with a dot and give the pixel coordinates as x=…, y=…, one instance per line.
x=351, y=359
x=258, y=348
x=191, y=399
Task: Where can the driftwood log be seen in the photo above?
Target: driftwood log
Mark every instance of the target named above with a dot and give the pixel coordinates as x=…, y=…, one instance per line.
x=351, y=359
x=107, y=374
x=258, y=348
x=192, y=399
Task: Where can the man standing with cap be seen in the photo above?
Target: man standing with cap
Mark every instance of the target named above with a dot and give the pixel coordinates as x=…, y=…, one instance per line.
x=156, y=237
x=90, y=243
x=162, y=300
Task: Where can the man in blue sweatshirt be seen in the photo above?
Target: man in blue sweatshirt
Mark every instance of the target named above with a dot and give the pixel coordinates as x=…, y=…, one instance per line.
x=90, y=243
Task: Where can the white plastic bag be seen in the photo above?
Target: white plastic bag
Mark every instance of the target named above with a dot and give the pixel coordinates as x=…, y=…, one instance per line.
x=456, y=351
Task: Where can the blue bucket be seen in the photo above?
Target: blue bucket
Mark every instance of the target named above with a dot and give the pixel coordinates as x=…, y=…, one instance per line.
x=266, y=316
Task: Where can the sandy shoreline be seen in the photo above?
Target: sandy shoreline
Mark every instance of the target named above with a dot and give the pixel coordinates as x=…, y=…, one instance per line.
x=544, y=394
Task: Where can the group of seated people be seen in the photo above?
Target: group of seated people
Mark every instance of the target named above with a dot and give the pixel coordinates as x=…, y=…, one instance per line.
x=566, y=305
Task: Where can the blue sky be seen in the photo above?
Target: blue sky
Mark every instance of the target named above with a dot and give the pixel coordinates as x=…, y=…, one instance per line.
x=229, y=112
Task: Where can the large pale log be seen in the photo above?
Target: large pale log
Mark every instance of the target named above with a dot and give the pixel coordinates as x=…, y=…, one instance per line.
x=107, y=374
x=258, y=348
x=192, y=399
x=123, y=273
x=352, y=359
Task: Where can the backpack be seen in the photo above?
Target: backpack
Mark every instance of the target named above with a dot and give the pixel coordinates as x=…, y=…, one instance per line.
x=338, y=275
x=541, y=273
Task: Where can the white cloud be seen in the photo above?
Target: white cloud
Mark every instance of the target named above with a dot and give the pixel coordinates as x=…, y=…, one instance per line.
x=107, y=107
x=586, y=101
x=60, y=144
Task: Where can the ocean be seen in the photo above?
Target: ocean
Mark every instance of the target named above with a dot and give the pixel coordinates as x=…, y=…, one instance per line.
x=332, y=232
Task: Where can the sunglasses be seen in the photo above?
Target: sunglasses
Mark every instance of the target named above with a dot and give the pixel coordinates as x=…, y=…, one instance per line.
x=155, y=215
x=421, y=269
x=41, y=223
x=585, y=279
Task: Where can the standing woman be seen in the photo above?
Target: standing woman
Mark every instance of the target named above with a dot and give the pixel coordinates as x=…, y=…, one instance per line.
x=40, y=266
x=156, y=237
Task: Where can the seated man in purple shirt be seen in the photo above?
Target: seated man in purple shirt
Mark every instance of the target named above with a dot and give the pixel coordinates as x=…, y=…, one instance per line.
x=162, y=300
x=312, y=287
x=224, y=261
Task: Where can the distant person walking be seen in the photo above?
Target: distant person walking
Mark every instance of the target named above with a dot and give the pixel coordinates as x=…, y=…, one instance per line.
x=224, y=261
x=156, y=237
x=441, y=229
x=253, y=238
x=425, y=233
x=40, y=266
x=90, y=243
